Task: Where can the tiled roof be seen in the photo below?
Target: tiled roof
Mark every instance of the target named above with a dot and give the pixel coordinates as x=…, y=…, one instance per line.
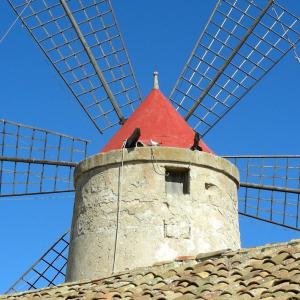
x=268, y=272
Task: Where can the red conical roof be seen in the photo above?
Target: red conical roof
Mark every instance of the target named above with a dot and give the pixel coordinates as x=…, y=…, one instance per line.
x=159, y=122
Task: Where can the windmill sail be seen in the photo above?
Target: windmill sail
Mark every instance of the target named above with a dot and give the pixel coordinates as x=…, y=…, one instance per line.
x=242, y=41
x=48, y=270
x=83, y=42
x=270, y=188
x=36, y=161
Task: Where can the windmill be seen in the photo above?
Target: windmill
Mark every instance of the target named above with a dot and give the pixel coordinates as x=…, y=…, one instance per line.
x=242, y=42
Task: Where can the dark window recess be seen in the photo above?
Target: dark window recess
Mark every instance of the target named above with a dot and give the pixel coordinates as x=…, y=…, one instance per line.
x=177, y=181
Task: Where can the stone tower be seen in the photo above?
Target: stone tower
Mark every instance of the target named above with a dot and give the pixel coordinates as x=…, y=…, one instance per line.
x=141, y=205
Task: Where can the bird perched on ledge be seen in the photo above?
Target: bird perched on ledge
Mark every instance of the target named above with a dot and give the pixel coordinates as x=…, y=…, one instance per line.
x=133, y=139
x=196, y=143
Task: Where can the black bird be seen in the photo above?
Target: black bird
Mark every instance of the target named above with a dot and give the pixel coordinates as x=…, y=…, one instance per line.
x=196, y=143
x=133, y=139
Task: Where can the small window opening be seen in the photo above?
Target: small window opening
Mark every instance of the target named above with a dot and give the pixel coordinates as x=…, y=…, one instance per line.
x=177, y=181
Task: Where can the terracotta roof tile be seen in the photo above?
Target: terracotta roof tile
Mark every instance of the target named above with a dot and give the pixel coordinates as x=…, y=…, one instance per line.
x=268, y=272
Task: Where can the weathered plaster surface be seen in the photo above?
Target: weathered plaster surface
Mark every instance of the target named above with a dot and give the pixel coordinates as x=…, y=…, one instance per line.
x=153, y=225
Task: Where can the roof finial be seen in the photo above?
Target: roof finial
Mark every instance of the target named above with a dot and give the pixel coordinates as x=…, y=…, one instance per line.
x=155, y=80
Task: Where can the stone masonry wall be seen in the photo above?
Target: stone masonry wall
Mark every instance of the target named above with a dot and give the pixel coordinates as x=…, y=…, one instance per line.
x=153, y=225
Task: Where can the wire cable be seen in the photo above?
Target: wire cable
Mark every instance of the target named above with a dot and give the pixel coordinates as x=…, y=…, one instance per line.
x=155, y=165
x=289, y=40
x=120, y=181
x=14, y=22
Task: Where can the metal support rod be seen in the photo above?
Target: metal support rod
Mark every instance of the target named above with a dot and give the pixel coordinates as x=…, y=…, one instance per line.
x=35, y=193
x=93, y=61
x=4, y=121
x=39, y=161
x=195, y=48
x=62, y=238
x=261, y=156
x=269, y=188
x=55, y=67
x=228, y=61
x=269, y=221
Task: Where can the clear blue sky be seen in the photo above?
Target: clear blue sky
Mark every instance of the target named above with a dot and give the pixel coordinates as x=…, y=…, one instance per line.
x=159, y=36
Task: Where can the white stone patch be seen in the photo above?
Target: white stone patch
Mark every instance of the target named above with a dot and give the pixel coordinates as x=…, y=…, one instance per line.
x=165, y=252
x=177, y=230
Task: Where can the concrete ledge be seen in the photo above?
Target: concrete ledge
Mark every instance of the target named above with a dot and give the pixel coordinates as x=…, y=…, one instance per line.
x=158, y=154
